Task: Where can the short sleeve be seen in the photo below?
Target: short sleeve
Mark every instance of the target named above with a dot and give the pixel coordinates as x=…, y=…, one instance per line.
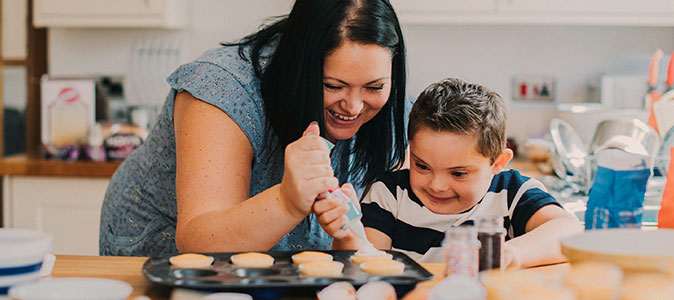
x=214, y=85
x=379, y=209
x=528, y=199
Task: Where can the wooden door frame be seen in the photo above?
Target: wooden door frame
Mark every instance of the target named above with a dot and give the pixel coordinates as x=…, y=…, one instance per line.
x=36, y=65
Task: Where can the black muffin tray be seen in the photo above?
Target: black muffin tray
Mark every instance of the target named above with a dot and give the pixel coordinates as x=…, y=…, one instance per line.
x=223, y=275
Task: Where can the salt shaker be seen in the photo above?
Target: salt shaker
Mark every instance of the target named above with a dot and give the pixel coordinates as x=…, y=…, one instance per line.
x=461, y=251
x=491, y=234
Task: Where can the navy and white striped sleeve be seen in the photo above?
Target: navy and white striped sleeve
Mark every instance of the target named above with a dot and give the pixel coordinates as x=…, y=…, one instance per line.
x=379, y=208
x=525, y=197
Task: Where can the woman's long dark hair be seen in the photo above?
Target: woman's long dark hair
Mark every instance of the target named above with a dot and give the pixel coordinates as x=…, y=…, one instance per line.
x=292, y=81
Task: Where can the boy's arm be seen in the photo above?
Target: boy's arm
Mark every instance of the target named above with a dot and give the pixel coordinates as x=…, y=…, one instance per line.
x=540, y=244
x=378, y=239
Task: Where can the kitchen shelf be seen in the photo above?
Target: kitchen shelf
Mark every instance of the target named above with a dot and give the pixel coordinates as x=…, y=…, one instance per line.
x=22, y=165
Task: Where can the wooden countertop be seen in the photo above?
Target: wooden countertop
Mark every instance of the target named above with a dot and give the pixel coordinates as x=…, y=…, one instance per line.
x=25, y=166
x=129, y=269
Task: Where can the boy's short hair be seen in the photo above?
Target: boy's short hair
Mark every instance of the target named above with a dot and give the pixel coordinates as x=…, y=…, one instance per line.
x=464, y=108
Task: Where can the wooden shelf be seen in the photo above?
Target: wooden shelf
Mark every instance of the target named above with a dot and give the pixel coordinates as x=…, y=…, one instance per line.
x=23, y=165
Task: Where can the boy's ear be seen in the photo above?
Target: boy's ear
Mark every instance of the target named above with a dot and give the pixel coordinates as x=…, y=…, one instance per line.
x=502, y=160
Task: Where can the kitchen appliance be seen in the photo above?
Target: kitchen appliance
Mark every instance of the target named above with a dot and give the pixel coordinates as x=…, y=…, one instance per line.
x=151, y=61
x=627, y=127
x=571, y=149
x=585, y=117
x=664, y=113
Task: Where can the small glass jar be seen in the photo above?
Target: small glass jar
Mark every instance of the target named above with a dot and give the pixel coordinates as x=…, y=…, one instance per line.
x=461, y=251
x=491, y=234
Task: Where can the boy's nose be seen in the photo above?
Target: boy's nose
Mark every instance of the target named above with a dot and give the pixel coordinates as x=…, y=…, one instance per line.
x=438, y=184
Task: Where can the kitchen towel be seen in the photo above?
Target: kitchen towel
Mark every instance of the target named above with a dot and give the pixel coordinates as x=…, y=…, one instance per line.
x=666, y=213
x=617, y=194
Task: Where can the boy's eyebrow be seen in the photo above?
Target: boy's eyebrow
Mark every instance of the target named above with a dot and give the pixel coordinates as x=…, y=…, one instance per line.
x=344, y=83
x=451, y=168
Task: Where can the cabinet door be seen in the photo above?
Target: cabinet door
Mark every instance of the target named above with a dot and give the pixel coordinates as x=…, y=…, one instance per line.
x=596, y=7
x=66, y=207
x=430, y=6
x=434, y=11
x=97, y=7
x=106, y=13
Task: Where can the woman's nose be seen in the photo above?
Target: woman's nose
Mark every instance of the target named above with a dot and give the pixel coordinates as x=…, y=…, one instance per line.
x=352, y=103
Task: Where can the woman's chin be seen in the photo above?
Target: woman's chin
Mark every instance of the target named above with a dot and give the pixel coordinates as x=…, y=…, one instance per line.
x=342, y=134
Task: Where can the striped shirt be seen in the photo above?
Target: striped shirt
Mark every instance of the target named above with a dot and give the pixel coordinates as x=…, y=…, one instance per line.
x=391, y=207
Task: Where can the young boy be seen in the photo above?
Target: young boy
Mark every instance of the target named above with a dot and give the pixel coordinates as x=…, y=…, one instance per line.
x=457, y=142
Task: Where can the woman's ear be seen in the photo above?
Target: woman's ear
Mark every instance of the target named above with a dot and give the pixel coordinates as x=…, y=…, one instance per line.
x=502, y=160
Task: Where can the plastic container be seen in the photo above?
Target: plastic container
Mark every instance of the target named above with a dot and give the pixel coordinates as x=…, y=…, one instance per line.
x=458, y=287
x=73, y=288
x=461, y=251
x=491, y=234
x=21, y=255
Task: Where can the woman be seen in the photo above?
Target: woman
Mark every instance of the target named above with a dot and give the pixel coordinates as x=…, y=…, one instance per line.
x=235, y=163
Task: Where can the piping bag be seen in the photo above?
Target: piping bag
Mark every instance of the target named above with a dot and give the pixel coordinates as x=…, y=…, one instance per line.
x=354, y=214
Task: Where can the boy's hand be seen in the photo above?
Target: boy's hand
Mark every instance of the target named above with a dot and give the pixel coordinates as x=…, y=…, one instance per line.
x=511, y=257
x=331, y=213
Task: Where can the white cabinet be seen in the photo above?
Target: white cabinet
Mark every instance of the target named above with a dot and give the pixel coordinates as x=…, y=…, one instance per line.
x=66, y=207
x=570, y=12
x=14, y=33
x=110, y=13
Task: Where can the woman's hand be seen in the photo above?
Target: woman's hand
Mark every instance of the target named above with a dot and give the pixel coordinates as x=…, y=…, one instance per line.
x=308, y=172
x=331, y=213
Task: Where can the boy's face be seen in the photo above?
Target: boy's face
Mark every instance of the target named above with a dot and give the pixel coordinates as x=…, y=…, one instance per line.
x=447, y=173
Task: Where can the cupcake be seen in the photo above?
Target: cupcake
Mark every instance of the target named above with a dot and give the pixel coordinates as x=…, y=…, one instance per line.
x=252, y=260
x=594, y=280
x=321, y=268
x=509, y=284
x=191, y=260
x=546, y=293
x=647, y=286
x=340, y=290
x=377, y=290
x=383, y=267
x=369, y=253
x=307, y=256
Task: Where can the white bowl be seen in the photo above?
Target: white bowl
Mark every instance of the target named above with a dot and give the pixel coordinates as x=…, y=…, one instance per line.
x=633, y=249
x=72, y=288
x=21, y=255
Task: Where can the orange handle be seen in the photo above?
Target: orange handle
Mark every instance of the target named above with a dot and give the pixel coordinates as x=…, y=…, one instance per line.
x=653, y=70
x=670, y=71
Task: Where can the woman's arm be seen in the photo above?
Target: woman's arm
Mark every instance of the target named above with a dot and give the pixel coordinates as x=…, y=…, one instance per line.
x=540, y=244
x=213, y=177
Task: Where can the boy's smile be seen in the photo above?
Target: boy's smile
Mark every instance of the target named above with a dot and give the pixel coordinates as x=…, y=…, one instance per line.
x=447, y=173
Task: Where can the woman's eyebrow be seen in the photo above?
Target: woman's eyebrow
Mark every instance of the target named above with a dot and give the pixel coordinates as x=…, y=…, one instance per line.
x=345, y=83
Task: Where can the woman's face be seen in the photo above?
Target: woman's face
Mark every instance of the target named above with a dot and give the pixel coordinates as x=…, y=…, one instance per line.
x=356, y=85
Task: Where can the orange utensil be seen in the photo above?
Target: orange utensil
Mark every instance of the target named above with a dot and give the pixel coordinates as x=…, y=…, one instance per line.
x=670, y=73
x=666, y=213
x=653, y=95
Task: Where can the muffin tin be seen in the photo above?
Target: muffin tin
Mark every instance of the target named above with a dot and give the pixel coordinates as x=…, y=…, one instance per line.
x=222, y=275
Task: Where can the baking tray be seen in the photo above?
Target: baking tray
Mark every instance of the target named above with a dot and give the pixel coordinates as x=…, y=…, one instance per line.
x=222, y=275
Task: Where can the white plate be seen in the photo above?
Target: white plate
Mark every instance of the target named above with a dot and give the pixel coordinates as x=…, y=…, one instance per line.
x=73, y=288
x=632, y=249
